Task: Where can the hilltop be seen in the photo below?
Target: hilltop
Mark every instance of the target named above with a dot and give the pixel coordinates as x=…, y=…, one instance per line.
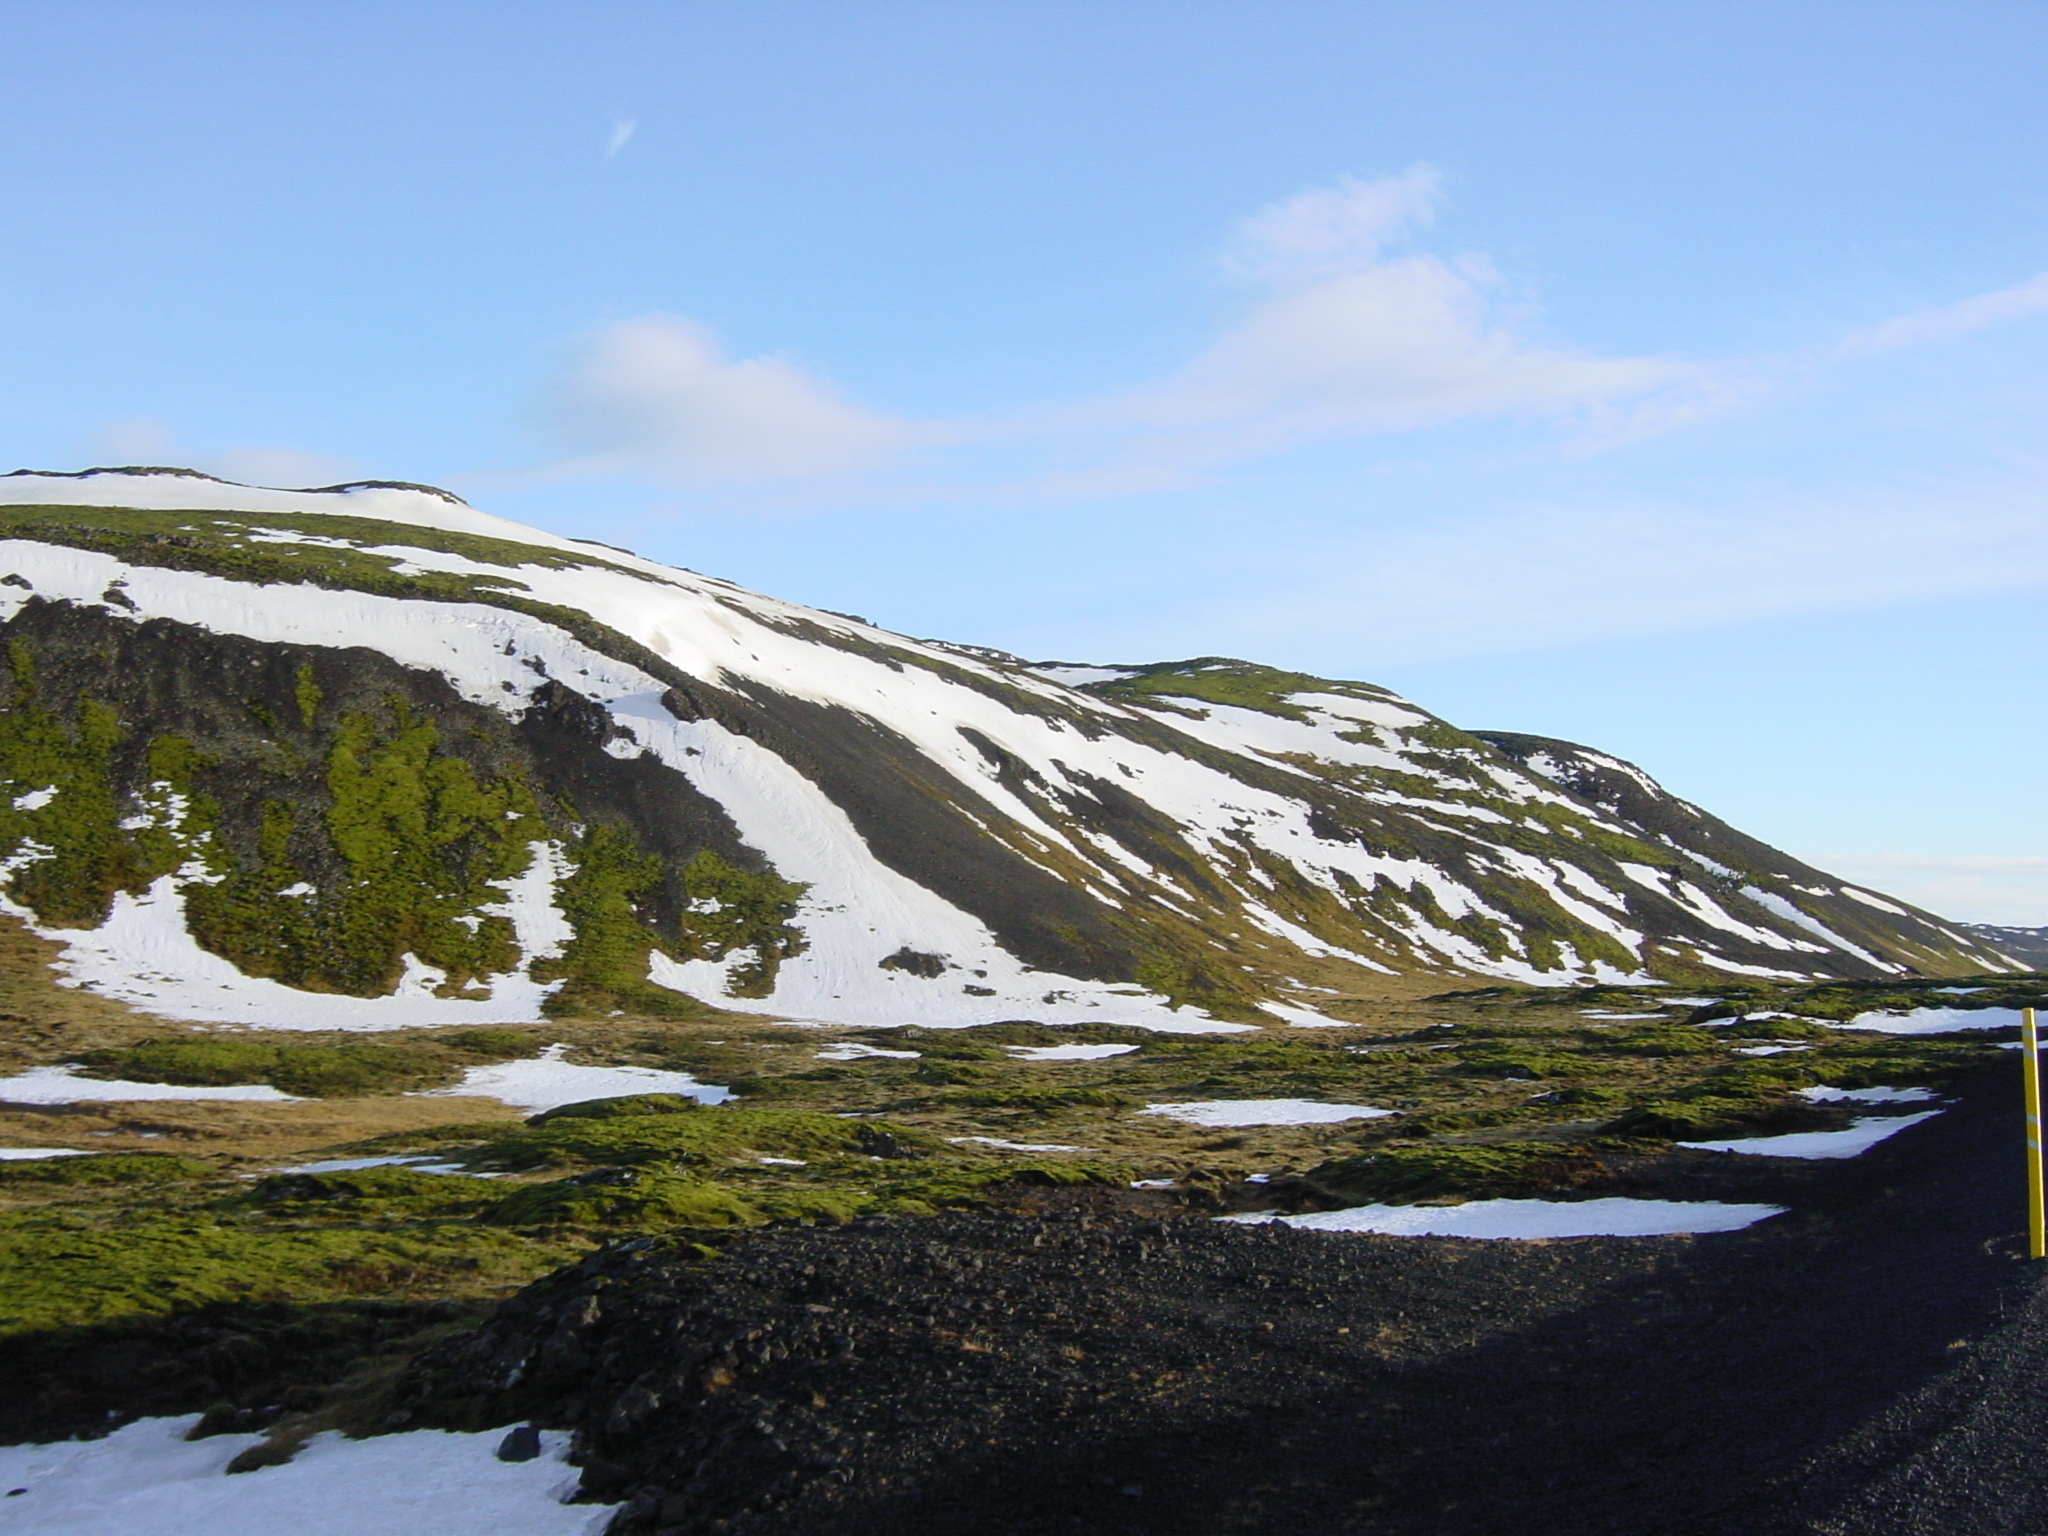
x=368, y=757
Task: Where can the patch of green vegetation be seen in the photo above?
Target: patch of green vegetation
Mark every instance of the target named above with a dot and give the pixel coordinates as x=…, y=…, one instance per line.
x=603, y=967
x=1219, y=680
x=57, y=802
x=1523, y=1062
x=701, y=1136
x=306, y=692
x=107, y=1168
x=308, y=1071
x=1406, y=1175
x=623, y=1198
x=1041, y=1101
x=624, y=1105
x=387, y=1192
x=728, y=909
x=59, y=1270
x=423, y=844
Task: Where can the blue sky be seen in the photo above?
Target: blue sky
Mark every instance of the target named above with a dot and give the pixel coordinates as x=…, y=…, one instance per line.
x=1666, y=377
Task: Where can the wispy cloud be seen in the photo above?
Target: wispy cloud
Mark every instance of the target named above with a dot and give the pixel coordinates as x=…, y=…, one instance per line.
x=1947, y=321
x=622, y=133
x=1344, y=335
x=654, y=396
x=1332, y=229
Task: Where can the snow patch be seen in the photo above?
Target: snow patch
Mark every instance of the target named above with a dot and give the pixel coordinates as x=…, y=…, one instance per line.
x=147, y=1479
x=1222, y=1112
x=1612, y=1217
x=1860, y=1137
x=548, y=1082
x=1933, y=1021
x=62, y=1085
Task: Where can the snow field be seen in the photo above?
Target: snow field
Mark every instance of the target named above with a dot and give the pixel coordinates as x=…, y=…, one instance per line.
x=712, y=630
x=146, y=1479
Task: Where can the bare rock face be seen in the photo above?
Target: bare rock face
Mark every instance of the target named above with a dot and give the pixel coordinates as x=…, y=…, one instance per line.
x=369, y=754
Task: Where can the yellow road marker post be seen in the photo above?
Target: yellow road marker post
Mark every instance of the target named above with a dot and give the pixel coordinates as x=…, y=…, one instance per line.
x=2030, y=1074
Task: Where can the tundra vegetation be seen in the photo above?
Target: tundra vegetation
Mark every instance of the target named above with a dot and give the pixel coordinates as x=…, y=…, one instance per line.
x=1496, y=1091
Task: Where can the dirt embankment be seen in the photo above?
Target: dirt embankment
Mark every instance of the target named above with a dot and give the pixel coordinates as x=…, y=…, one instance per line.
x=1104, y=1370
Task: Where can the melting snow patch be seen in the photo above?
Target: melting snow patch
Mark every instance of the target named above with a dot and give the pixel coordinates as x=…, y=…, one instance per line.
x=1305, y=1018
x=1068, y=1052
x=147, y=1479
x=351, y=1164
x=143, y=956
x=1612, y=1217
x=1769, y=1050
x=1868, y=1095
x=1933, y=1021
x=1263, y=1112
x=1594, y=1013
x=62, y=1085
x=549, y=1082
x=1860, y=1137
x=1015, y=1146
x=853, y=1051
x=32, y=1154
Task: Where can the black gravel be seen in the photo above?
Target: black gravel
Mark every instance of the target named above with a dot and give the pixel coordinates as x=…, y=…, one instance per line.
x=1098, y=1369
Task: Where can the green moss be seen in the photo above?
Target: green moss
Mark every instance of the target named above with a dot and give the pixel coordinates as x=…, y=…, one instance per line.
x=1404, y=1175
x=80, y=853
x=702, y=1136
x=306, y=1071
x=307, y=693
x=728, y=909
x=107, y=1168
x=604, y=966
x=387, y=1192
x=1042, y=1100
x=423, y=843
x=623, y=1105
x=623, y=1198
x=61, y=1271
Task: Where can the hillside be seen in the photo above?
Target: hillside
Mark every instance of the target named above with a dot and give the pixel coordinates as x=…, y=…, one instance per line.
x=368, y=757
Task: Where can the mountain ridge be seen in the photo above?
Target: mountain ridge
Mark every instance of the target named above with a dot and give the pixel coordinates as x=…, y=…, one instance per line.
x=235, y=715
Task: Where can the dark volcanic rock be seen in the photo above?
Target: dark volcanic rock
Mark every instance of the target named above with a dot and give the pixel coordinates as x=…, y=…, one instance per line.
x=1110, y=1371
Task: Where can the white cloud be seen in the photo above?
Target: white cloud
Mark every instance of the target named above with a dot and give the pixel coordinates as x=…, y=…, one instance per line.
x=2010, y=889
x=1396, y=345
x=1350, y=341
x=1333, y=229
x=1948, y=320
x=1550, y=574
x=622, y=131
x=653, y=396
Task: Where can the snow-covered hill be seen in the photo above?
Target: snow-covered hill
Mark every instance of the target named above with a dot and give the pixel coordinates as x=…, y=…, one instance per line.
x=368, y=757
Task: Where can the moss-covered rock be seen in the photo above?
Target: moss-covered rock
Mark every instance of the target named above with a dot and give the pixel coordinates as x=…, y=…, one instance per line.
x=623, y=1197
x=706, y=1135
x=628, y=1104
x=107, y=1168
